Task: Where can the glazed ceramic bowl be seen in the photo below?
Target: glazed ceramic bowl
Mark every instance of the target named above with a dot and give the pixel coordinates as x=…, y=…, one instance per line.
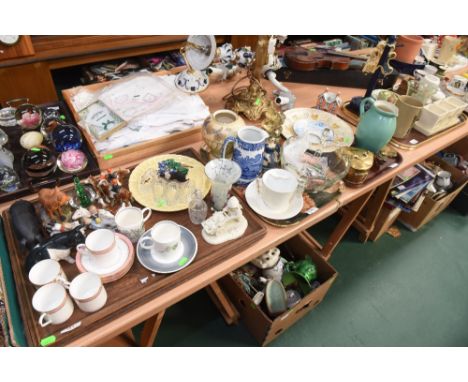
x=66, y=137
x=39, y=162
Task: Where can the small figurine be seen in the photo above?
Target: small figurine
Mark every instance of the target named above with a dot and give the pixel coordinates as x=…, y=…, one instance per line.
x=26, y=224
x=172, y=170
x=82, y=215
x=109, y=188
x=225, y=225
x=102, y=219
x=83, y=197
x=57, y=247
x=53, y=200
x=268, y=260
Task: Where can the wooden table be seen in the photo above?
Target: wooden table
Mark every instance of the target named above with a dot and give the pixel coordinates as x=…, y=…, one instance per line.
x=354, y=198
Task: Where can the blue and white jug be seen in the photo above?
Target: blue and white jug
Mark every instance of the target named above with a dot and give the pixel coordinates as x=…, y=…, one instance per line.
x=248, y=152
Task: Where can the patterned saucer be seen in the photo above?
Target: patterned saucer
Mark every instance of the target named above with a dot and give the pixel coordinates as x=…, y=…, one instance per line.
x=168, y=263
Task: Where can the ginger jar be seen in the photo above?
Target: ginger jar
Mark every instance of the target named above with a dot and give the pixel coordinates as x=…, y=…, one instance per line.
x=217, y=127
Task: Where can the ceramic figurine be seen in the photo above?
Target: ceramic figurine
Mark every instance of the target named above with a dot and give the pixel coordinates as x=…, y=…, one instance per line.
x=54, y=228
x=275, y=272
x=268, y=259
x=26, y=225
x=329, y=101
x=83, y=197
x=272, y=155
x=102, y=219
x=82, y=215
x=57, y=247
x=225, y=225
x=53, y=200
x=110, y=189
x=172, y=170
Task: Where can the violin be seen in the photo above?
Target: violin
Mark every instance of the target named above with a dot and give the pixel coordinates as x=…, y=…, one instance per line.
x=302, y=59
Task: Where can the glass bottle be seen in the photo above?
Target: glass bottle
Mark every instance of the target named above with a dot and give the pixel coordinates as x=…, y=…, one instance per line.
x=198, y=208
x=83, y=197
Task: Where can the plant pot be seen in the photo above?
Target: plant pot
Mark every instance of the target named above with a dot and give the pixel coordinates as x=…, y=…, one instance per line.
x=407, y=48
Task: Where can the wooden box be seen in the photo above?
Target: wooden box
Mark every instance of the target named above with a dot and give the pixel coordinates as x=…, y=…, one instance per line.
x=430, y=208
x=125, y=155
x=264, y=328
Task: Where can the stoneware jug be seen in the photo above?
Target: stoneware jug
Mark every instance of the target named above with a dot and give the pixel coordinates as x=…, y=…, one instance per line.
x=248, y=152
x=377, y=125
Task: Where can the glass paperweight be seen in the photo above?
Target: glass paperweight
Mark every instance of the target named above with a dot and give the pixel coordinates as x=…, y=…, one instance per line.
x=198, y=208
x=48, y=125
x=9, y=180
x=28, y=116
x=3, y=138
x=66, y=137
x=7, y=117
x=6, y=157
x=39, y=162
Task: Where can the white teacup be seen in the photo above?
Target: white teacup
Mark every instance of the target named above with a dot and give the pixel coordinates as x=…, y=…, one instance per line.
x=459, y=84
x=47, y=271
x=100, y=244
x=131, y=220
x=278, y=186
x=53, y=301
x=88, y=292
x=165, y=237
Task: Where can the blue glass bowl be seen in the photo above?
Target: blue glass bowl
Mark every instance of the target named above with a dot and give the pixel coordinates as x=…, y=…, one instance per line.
x=66, y=137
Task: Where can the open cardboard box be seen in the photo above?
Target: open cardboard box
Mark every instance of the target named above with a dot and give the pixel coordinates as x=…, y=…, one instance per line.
x=264, y=328
x=430, y=208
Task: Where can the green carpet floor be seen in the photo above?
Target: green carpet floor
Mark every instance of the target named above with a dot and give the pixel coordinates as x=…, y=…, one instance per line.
x=410, y=291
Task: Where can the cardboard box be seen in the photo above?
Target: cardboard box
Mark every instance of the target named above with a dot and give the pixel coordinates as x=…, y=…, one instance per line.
x=387, y=216
x=264, y=328
x=430, y=208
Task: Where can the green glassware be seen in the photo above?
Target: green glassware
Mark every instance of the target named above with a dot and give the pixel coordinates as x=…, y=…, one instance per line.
x=303, y=268
x=83, y=197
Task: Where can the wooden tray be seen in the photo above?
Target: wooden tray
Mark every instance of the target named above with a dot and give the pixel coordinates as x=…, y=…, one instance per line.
x=129, y=292
x=415, y=139
x=30, y=185
x=125, y=155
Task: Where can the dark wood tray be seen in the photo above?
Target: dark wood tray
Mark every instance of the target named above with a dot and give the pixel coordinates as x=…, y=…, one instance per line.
x=415, y=139
x=30, y=185
x=129, y=292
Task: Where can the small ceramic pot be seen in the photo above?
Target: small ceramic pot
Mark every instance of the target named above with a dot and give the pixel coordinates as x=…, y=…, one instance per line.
x=407, y=48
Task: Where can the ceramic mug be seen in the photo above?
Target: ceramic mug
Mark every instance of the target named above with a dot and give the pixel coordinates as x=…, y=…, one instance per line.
x=277, y=188
x=164, y=237
x=249, y=147
x=443, y=179
x=459, y=83
x=100, y=244
x=409, y=109
x=88, y=292
x=47, y=271
x=54, y=304
x=131, y=221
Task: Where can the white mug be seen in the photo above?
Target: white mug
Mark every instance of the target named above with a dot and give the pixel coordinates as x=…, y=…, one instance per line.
x=277, y=188
x=443, y=179
x=88, y=292
x=131, y=220
x=165, y=237
x=459, y=83
x=48, y=271
x=100, y=244
x=54, y=304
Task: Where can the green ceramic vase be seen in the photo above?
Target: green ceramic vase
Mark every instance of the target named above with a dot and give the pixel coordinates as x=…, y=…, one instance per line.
x=377, y=125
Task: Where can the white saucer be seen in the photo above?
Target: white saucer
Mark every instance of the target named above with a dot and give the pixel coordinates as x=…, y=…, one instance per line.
x=255, y=201
x=120, y=252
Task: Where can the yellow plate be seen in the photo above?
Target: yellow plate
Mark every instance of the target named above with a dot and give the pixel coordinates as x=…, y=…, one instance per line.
x=343, y=132
x=162, y=198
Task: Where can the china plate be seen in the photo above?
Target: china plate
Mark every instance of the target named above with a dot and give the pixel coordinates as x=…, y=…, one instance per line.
x=179, y=259
x=143, y=193
x=124, y=262
x=342, y=131
x=255, y=201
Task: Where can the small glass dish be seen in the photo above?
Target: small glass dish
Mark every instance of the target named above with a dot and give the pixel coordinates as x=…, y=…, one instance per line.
x=39, y=162
x=66, y=137
x=28, y=116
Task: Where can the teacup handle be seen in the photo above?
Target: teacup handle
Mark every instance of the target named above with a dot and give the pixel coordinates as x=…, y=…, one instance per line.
x=44, y=320
x=81, y=248
x=364, y=102
x=144, y=245
x=148, y=213
x=226, y=142
x=63, y=281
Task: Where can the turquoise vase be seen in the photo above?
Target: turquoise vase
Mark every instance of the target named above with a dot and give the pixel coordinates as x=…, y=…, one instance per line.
x=377, y=125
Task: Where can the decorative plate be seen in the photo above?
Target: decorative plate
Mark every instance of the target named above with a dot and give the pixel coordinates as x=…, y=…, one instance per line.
x=342, y=131
x=163, y=263
x=151, y=191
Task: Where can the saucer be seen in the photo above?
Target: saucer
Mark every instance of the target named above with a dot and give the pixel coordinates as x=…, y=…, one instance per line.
x=125, y=256
x=168, y=263
x=255, y=201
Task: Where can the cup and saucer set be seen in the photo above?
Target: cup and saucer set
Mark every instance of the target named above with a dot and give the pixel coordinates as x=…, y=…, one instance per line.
x=167, y=247
x=276, y=195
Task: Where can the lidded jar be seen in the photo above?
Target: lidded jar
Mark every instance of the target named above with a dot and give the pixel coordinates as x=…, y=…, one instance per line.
x=217, y=127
